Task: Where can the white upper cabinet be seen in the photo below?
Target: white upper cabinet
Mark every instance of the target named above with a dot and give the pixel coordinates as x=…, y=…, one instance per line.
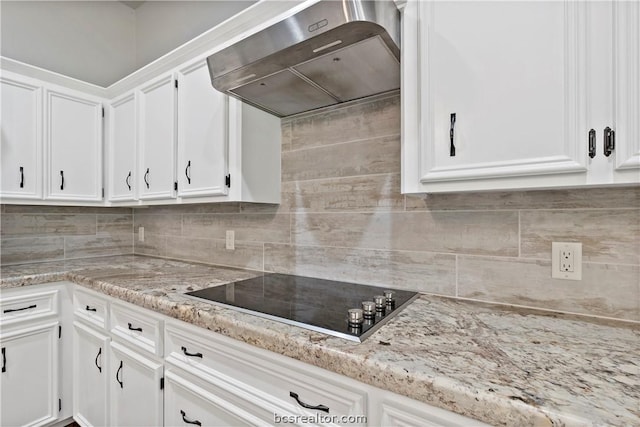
x=626, y=18
x=121, y=149
x=202, y=134
x=502, y=95
x=156, y=139
x=21, y=137
x=74, y=145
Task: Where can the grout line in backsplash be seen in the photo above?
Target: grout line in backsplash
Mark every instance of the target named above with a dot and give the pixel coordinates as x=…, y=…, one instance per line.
x=456, y=270
x=519, y=233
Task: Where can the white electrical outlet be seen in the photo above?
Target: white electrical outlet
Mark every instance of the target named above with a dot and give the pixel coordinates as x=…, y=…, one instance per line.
x=231, y=244
x=140, y=234
x=566, y=260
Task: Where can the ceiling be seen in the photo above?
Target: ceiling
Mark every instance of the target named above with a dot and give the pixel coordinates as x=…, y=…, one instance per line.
x=132, y=4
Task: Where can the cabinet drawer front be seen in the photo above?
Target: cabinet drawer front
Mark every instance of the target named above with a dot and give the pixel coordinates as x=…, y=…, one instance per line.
x=28, y=307
x=264, y=375
x=91, y=308
x=137, y=327
x=189, y=401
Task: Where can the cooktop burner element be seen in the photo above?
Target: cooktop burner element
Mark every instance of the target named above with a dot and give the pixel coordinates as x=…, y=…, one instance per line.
x=321, y=305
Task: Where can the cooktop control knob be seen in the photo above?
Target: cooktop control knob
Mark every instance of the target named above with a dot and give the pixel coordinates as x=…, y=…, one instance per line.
x=390, y=297
x=356, y=317
x=380, y=302
x=369, y=309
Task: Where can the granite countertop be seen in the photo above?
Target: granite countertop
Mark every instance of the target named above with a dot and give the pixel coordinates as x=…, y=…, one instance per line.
x=497, y=365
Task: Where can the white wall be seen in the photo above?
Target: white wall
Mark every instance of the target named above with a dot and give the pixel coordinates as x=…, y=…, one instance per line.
x=161, y=26
x=92, y=41
x=101, y=42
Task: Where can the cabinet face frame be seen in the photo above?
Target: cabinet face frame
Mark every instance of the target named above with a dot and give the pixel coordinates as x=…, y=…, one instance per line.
x=53, y=180
x=31, y=172
x=573, y=159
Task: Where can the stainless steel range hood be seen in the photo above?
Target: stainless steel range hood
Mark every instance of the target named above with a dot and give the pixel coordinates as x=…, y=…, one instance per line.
x=333, y=51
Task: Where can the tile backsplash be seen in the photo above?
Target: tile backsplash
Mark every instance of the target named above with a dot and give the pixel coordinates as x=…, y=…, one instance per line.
x=342, y=217
x=53, y=233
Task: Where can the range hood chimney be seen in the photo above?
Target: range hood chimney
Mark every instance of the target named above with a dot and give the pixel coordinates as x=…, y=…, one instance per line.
x=331, y=52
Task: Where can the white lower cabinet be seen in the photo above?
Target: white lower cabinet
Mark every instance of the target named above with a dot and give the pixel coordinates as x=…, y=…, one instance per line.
x=135, y=388
x=29, y=379
x=139, y=368
x=90, y=381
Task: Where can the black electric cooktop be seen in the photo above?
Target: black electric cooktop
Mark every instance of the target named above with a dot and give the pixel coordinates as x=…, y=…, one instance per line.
x=317, y=304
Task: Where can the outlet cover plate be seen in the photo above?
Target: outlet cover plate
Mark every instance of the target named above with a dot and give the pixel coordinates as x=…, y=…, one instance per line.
x=557, y=250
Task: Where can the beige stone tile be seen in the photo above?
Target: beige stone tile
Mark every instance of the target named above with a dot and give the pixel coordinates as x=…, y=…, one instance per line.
x=165, y=224
x=213, y=251
x=605, y=289
x=417, y=271
x=364, y=157
x=217, y=207
x=269, y=208
x=248, y=227
x=102, y=244
x=66, y=210
x=31, y=249
x=122, y=223
x=153, y=244
x=286, y=135
x=619, y=197
x=36, y=224
x=485, y=233
x=365, y=119
x=360, y=193
x=607, y=235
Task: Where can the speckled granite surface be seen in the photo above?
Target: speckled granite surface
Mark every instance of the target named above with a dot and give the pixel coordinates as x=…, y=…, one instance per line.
x=500, y=366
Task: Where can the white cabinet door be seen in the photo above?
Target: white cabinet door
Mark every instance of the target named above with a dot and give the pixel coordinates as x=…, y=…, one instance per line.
x=121, y=152
x=189, y=403
x=157, y=135
x=202, y=134
x=626, y=17
x=90, y=370
x=21, y=138
x=29, y=378
x=501, y=99
x=74, y=145
x=134, y=381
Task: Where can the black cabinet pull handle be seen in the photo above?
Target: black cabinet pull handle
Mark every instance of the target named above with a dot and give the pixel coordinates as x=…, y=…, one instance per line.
x=96, y=361
x=118, y=375
x=10, y=310
x=592, y=143
x=188, y=421
x=187, y=172
x=21, y=177
x=306, y=405
x=126, y=180
x=452, y=147
x=131, y=328
x=186, y=353
x=62, y=180
x=90, y=309
x=609, y=141
x=4, y=359
x=146, y=181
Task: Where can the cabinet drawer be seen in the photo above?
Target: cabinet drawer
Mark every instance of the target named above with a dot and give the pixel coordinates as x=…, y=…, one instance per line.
x=137, y=327
x=91, y=308
x=272, y=380
x=188, y=400
x=27, y=306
